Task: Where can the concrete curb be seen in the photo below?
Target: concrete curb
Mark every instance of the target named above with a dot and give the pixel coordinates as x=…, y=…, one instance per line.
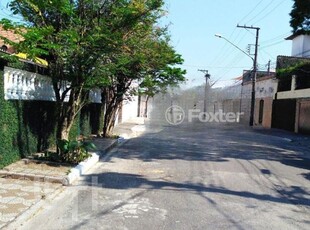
x=33, y=177
x=84, y=166
x=75, y=173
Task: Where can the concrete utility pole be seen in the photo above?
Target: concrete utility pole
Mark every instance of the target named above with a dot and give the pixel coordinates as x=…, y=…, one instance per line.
x=268, y=69
x=207, y=76
x=254, y=71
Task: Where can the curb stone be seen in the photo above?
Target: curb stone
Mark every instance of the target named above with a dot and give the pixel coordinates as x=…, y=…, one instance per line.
x=84, y=166
x=75, y=173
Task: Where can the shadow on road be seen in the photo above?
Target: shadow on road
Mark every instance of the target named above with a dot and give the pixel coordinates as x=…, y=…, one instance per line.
x=198, y=143
x=289, y=195
x=214, y=143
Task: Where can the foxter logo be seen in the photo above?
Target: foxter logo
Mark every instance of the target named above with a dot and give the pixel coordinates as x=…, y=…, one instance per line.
x=175, y=115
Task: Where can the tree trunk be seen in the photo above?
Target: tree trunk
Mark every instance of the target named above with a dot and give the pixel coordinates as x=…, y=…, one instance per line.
x=109, y=118
x=67, y=113
x=146, y=106
x=113, y=102
x=64, y=126
x=114, y=96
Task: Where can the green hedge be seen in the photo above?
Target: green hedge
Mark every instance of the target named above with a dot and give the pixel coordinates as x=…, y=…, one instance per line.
x=12, y=138
x=29, y=126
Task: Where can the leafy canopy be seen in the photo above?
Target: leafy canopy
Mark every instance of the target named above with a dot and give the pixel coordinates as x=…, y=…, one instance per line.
x=300, y=16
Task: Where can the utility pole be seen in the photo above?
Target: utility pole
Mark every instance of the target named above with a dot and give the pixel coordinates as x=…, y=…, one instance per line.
x=268, y=69
x=254, y=71
x=207, y=76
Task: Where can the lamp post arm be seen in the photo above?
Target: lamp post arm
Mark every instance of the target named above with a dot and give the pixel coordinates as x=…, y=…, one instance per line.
x=237, y=48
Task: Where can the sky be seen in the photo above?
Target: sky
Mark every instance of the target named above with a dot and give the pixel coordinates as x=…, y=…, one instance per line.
x=193, y=24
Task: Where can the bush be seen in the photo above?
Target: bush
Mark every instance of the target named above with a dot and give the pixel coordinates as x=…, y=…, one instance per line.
x=74, y=151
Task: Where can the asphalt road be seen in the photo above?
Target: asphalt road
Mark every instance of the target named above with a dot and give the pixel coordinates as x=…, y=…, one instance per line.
x=190, y=177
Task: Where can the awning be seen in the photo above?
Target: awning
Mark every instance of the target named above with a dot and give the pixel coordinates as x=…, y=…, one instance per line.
x=36, y=60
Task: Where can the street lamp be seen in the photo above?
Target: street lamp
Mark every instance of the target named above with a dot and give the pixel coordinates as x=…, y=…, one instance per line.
x=254, y=70
x=220, y=36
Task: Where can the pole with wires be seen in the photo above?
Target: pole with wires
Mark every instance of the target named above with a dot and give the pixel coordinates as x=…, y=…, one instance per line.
x=207, y=76
x=254, y=73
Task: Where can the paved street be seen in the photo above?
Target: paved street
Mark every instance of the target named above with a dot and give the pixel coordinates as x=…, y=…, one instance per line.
x=190, y=177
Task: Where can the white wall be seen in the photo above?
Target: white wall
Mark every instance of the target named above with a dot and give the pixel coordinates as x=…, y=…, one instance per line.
x=266, y=88
x=130, y=109
x=301, y=46
x=24, y=85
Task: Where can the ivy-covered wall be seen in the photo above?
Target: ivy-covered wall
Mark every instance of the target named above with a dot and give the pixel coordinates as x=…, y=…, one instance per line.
x=27, y=127
x=16, y=140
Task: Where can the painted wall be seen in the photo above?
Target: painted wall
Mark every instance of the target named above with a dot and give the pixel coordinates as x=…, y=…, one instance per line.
x=265, y=89
x=301, y=46
x=130, y=108
x=266, y=114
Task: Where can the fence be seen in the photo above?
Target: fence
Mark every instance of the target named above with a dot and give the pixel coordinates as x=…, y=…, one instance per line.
x=28, y=119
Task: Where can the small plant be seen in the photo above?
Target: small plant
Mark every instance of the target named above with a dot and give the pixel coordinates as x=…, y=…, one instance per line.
x=74, y=151
x=115, y=136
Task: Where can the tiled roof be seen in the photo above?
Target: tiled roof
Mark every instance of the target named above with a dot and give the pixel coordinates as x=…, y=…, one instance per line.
x=287, y=61
x=9, y=34
x=298, y=33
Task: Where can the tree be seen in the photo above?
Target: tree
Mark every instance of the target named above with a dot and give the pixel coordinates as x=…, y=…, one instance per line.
x=66, y=34
x=92, y=43
x=161, y=76
x=300, y=16
x=143, y=53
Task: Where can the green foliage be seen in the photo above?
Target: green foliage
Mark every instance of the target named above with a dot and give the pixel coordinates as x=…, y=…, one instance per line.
x=300, y=16
x=298, y=68
x=16, y=139
x=72, y=151
x=99, y=44
x=28, y=127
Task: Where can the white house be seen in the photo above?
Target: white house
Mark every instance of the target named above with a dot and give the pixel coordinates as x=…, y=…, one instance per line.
x=300, y=45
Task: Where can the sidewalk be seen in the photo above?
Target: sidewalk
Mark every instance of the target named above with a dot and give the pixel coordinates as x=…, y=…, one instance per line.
x=294, y=138
x=17, y=196
x=131, y=128
x=27, y=184
x=52, y=172
x=135, y=127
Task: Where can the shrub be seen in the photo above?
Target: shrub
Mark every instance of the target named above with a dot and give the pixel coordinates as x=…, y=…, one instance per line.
x=72, y=151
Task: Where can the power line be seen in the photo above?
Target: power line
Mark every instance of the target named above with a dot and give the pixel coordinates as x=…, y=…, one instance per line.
x=235, y=60
x=301, y=53
x=282, y=36
x=260, y=12
x=271, y=57
x=269, y=12
x=254, y=71
x=273, y=44
x=227, y=52
x=251, y=11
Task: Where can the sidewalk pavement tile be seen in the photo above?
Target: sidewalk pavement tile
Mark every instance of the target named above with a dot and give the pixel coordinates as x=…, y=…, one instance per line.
x=16, y=196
